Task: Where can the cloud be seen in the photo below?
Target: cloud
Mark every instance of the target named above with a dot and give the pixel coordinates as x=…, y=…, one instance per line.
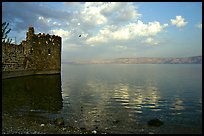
x=199, y=25
x=86, y=19
x=96, y=14
x=73, y=6
x=91, y=13
x=62, y=33
x=127, y=32
x=121, y=47
x=179, y=21
x=56, y=24
x=23, y=14
x=121, y=12
x=44, y=20
x=150, y=41
x=105, y=27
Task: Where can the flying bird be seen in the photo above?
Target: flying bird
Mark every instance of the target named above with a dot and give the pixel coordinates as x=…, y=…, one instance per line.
x=79, y=35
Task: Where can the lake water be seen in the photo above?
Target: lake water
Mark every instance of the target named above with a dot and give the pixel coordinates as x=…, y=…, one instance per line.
x=115, y=98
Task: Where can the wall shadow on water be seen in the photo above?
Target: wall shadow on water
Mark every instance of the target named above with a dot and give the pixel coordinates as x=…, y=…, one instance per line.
x=32, y=93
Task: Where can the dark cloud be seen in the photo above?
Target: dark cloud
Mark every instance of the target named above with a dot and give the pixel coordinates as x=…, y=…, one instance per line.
x=24, y=14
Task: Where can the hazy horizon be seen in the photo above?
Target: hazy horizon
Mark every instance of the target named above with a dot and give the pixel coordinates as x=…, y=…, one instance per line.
x=103, y=30
x=64, y=60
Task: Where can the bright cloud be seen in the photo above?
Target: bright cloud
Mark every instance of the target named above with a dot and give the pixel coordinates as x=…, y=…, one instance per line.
x=94, y=14
x=60, y=32
x=92, y=28
x=179, y=21
x=91, y=14
x=127, y=32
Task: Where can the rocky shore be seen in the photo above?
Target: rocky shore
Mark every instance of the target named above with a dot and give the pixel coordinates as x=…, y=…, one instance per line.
x=15, y=124
x=12, y=124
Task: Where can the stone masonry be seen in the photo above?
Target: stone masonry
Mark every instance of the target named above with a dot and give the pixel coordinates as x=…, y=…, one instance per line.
x=38, y=54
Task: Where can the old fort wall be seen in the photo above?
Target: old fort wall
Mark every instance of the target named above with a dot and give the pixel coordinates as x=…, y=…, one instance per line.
x=38, y=54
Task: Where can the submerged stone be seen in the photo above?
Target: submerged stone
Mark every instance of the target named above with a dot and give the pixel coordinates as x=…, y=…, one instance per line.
x=155, y=122
x=116, y=121
x=59, y=122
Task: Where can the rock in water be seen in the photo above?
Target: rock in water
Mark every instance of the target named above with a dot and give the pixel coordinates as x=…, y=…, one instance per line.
x=155, y=122
x=94, y=131
x=59, y=122
x=42, y=125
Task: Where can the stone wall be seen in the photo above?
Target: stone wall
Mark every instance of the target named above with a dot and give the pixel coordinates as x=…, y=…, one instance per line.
x=12, y=57
x=39, y=54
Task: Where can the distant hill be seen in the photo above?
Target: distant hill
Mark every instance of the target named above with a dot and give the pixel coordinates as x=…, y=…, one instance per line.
x=144, y=60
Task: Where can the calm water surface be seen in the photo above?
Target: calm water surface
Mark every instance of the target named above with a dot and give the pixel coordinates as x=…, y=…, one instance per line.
x=115, y=98
x=122, y=98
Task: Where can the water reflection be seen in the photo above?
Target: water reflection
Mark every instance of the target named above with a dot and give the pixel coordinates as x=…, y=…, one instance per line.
x=137, y=97
x=151, y=96
x=32, y=94
x=177, y=106
x=108, y=105
x=121, y=98
x=121, y=94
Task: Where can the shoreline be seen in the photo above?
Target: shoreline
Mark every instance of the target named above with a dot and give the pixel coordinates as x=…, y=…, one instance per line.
x=12, y=124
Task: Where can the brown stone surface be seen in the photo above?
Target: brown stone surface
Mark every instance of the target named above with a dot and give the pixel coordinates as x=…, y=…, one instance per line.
x=37, y=53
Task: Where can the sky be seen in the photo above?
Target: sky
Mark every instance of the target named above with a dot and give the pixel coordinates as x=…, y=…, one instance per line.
x=106, y=30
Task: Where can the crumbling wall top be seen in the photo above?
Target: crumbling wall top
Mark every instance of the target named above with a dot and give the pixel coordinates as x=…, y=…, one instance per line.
x=31, y=30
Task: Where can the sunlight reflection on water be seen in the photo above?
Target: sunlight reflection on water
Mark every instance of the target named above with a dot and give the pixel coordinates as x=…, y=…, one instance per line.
x=123, y=101
x=101, y=97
